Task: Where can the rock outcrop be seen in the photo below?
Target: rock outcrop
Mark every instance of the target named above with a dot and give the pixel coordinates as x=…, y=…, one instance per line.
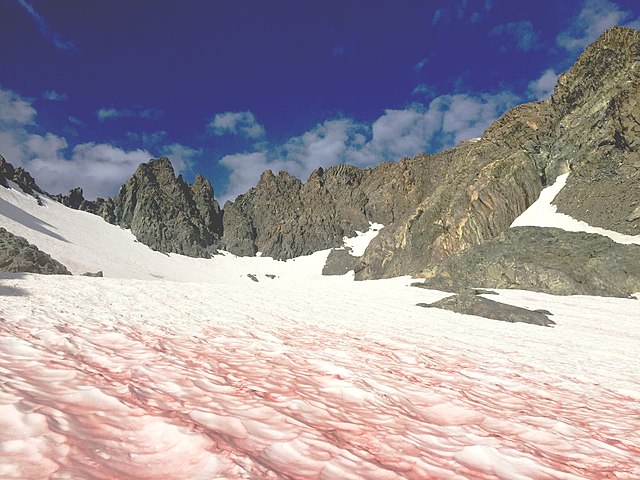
x=544, y=260
x=18, y=255
x=162, y=211
x=284, y=218
x=469, y=304
x=598, y=102
x=75, y=199
x=166, y=213
x=20, y=177
x=339, y=262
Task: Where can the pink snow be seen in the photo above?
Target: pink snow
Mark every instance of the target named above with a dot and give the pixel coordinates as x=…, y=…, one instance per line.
x=296, y=376
x=113, y=379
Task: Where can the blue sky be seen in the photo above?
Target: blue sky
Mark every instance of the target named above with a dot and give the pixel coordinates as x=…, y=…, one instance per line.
x=88, y=90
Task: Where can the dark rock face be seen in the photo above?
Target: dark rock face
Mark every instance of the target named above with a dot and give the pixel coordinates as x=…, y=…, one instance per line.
x=484, y=307
x=599, y=133
x=167, y=214
x=98, y=274
x=162, y=211
x=75, y=199
x=18, y=176
x=483, y=190
x=544, y=260
x=18, y=255
x=339, y=262
x=284, y=218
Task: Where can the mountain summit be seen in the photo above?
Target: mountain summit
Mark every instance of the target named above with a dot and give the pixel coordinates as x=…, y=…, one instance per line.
x=432, y=206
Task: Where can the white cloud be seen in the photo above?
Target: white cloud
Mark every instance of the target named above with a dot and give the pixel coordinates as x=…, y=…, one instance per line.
x=44, y=29
x=542, y=87
x=421, y=64
x=54, y=96
x=182, y=157
x=239, y=123
x=424, y=90
x=594, y=18
x=15, y=110
x=245, y=170
x=111, y=113
x=323, y=146
x=115, y=113
x=447, y=120
x=525, y=36
x=99, y=168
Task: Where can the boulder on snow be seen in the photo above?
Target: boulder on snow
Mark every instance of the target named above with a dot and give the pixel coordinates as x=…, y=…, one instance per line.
x=97, y=274
x=339, y=262
x=483, y=307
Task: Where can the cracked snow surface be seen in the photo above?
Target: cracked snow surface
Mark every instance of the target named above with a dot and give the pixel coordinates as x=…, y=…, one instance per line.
x=108, y=378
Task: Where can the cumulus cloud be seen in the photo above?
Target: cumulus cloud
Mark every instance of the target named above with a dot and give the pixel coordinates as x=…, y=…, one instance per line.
x=397, y=133
x=44, y=29
x=525, y=37
x=594, y=18
x=54, y=96
x=543, y=86
x=237, y=123
x=424, y=90
x=182, y=157
x=15, y=110
x=99, y=168
x=111, y=113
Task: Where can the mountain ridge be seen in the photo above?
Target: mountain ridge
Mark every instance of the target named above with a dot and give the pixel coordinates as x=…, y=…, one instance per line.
x=433, y=206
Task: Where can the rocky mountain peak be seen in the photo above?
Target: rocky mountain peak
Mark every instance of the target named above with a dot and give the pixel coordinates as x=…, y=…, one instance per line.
x=19, y=176
x=167, y=214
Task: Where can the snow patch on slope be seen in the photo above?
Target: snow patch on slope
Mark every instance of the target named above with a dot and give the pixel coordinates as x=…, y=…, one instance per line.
x=542, y=213
x=361, y=241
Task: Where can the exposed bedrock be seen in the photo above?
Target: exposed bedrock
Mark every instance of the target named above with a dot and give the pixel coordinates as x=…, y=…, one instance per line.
x=18, y=255
x=544, y=260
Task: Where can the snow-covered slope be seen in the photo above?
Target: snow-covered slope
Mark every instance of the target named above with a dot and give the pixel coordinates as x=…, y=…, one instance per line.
x=86, y=243
x=205, y=373
x=544, y=214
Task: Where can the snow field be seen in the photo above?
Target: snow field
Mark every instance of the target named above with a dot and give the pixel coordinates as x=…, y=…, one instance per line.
x=173, y=368
x=108, y=378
